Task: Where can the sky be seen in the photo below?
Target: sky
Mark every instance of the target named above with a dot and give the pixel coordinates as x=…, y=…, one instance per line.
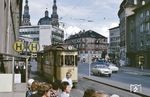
x=76, y=15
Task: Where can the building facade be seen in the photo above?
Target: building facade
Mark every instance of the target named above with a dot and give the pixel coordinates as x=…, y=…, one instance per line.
x=89, y=43
x=42, y=34
x=53, y=20
x=114, y=42
x=9, y=27
x=47, y=32
x=134, y=32
x=126, y=9
x=138, y=33
x=9, y=24
x=26, y=15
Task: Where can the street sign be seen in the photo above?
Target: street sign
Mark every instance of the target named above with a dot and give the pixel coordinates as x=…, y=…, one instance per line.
x=34, y=47
x=18, y=46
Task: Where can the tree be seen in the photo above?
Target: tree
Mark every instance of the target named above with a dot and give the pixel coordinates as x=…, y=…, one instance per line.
x=104, y=53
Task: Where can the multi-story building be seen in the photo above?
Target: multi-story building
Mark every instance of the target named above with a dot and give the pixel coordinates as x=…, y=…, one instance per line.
x=114, y=42
x=43, y=34
x=53, y=20
x=89, y=43
x=138, y=35
x=9, y=24
x=134, y=29
x=47, y=31
x=26, y=15
x=126, y=9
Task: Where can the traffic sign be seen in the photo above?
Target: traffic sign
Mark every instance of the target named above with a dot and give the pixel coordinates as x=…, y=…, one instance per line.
x=18, y=46
x=34, y=47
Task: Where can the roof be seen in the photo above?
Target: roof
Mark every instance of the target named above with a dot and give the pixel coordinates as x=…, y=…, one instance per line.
x=114, y=28
x=44, y=21
x=85, y=34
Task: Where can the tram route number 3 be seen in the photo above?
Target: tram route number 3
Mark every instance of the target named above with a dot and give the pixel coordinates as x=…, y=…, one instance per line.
x=19, y=46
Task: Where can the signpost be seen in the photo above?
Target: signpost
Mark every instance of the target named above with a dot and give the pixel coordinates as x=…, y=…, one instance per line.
x=18, y=46
x=34, y=47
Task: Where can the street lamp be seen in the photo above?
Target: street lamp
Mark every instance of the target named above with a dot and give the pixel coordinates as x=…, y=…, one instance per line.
x=89, y=65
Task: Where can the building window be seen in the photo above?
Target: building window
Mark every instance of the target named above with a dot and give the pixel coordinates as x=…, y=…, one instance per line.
x=141, y=15
x=147, y=13
x=148, y=26
x=143, y=2
x=141, y=28
x=141, y=43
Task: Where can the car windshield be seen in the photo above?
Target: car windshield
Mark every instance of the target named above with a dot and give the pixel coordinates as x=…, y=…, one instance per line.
x=101, y=66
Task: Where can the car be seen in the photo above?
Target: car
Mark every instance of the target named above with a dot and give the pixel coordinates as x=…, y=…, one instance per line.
x=101, y=70
x=113, y=67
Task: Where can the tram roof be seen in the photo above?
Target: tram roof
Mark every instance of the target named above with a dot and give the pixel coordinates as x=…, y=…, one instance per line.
x=59, y=47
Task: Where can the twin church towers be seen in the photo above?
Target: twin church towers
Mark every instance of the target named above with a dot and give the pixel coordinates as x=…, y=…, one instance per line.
x=46, y=20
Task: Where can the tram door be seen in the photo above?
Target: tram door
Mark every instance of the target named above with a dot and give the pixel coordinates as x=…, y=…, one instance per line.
x=13, y=75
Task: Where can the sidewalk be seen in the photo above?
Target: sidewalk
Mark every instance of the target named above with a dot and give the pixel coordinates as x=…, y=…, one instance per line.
x=136, y=71
x=123, y=86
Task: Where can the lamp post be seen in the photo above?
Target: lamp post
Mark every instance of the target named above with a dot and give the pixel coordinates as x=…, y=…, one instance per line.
x=89, y=64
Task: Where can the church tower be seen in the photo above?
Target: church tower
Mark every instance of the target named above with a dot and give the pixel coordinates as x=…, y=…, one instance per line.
x=26, y=15
x=54, y=15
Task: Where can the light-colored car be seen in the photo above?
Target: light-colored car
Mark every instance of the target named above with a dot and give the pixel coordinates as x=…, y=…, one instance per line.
x=112, y=67
x=101, y=70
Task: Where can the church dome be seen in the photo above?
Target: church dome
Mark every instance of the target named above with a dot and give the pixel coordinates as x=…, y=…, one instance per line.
x=45, y=20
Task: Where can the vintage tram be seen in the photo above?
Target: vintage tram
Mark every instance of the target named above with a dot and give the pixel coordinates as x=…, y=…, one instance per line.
x=56, y=60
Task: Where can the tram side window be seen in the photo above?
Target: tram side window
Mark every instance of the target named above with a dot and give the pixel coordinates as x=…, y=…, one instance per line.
x=61, y=60
x=69, y=60
x=76, y=60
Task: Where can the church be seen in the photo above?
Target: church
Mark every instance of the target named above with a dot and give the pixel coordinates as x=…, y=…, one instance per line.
x=46, y=32
x=53, y=20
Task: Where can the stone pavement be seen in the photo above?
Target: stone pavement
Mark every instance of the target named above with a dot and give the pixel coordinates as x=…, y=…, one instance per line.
x=135, y=71
x=144, y=91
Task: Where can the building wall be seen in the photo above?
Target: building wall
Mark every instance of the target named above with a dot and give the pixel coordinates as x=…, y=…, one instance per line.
x=88, y=47
x=45, y=36
x=9, y=24
x=114, y=41
x=126, y=10
x=138, y=34
x=10, y=19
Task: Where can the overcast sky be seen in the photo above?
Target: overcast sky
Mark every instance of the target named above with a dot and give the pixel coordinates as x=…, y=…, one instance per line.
x=97, y=15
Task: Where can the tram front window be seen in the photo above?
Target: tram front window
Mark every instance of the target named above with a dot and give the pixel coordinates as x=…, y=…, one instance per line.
x=69, y=60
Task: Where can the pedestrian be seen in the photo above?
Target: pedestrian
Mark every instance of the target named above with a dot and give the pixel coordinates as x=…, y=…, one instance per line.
x=65, y=89
x=29, y=92
x=88, y=92
x=2, y=68
x=56, y=89
x=46, y=90
x=17, y=68
x=141, y=65
x=68, y=79
x=93, y=93
x=100, y=94
x=33, y=88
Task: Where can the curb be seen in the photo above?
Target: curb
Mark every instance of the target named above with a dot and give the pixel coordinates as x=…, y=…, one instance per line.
x=140, y=94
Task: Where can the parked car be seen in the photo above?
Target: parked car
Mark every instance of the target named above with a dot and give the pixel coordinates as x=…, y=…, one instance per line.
x=113, y=67
x=101, y=70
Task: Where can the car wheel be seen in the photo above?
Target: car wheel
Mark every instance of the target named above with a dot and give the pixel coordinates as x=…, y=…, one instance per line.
x=99, y=74
x=116, y=71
